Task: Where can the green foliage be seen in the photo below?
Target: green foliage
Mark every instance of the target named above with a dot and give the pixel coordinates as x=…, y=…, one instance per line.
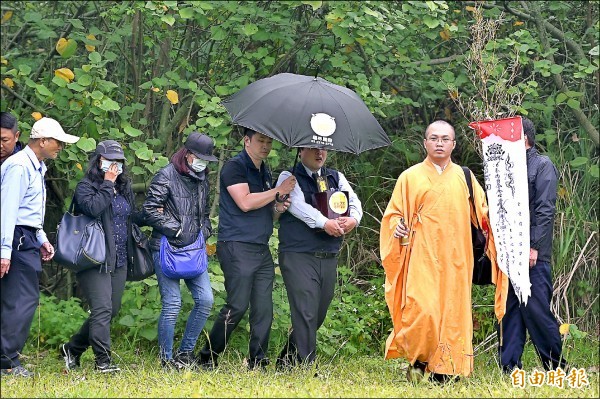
x=56, y=321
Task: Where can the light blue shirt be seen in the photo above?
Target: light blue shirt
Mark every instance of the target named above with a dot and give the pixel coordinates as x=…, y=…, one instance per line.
x=311, y=215
x=23, y=196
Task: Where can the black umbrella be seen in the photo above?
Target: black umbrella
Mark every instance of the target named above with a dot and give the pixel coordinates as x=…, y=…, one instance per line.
x=305, y=111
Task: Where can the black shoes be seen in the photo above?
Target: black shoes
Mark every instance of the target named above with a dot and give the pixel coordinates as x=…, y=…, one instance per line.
x=208, y=362
x=18, y=371
x=258, y=364
x=71, y=361
x=107, y=367
x=186, y=360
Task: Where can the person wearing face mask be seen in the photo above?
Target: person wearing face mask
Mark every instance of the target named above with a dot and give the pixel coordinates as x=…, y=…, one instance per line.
x=177, y=207
x=104, y=193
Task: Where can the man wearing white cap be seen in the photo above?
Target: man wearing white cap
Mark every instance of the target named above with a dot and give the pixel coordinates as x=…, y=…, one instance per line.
x=23, y=238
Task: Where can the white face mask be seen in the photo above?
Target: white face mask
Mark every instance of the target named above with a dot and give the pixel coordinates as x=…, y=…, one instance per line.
x=198, y=165
x=106, y=164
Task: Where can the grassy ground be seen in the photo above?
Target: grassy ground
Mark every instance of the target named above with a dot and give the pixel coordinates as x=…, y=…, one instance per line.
x=341, y=377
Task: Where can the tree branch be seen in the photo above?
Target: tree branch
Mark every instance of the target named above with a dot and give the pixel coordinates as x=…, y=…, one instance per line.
x=18, y=96
x=578, y=113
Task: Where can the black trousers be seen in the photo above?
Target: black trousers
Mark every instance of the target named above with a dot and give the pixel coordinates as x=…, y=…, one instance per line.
x=536, y=318
x=249, y=272
x=20, y=293
x=103, y=292
x=310, y=284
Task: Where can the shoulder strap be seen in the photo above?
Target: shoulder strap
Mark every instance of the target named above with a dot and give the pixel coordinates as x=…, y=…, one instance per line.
x=467, y=173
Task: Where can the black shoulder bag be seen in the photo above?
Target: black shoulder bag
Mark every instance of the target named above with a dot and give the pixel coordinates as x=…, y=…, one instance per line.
x=482, y=265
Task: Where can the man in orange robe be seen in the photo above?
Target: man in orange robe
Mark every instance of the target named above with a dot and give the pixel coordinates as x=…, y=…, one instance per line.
x=428, y=281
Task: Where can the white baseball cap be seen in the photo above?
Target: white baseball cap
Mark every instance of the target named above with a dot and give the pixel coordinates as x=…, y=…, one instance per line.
x=49, y=128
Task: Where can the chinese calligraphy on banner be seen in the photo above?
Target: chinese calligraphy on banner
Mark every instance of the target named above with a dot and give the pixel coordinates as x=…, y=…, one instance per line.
x=505, y=170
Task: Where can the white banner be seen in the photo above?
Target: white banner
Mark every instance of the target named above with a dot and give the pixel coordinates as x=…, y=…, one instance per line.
x=505, y=170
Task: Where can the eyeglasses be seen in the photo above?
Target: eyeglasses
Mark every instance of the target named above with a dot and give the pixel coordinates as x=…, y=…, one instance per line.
x=444, y=140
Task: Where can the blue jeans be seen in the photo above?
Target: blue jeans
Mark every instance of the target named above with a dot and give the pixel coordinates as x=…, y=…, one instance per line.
x=171, y=304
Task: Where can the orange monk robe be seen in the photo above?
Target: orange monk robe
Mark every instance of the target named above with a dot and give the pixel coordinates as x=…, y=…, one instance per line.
x=428, y=282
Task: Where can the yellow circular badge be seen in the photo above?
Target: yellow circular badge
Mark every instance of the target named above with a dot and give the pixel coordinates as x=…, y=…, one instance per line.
x=338, y=202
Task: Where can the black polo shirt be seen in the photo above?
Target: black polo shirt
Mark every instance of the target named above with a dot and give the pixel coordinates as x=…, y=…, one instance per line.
x=254, y=226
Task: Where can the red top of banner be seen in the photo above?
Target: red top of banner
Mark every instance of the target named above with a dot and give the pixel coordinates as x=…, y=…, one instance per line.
x=510, y=129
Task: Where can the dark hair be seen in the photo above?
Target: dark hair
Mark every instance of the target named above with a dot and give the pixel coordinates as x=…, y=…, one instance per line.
x=179, y=162
x=249, y=132
x=529, y=130
x=8, y=121
x=96, y=175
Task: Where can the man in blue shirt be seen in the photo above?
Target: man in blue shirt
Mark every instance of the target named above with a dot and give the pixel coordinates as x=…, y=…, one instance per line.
x=23, y=238
x=246, y=208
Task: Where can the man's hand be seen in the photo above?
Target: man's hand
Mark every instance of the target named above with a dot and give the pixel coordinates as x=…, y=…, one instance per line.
x=333, y=228
x=347, y=223
x=533, y=254
x=287, y=186
x=47, y=251
x=4, y=266
x=282, y=207
x=401, y=230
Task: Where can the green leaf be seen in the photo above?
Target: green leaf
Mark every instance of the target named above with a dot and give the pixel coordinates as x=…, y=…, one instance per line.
x=556, y=69
x=24, y=69
x=214, y=122
x=217, y=33
x=137, y=170
x=144, y=154
x=187, y=12
x=314, y=4
x=86, y=67
x=43, y=90
x=250, y=29
x=561, y=98
x=109, y=105
x=572, y=103
x=84, y=80
x=430, y=22
x=60, y=82
x=448, y=77
x=97, y=95
x=222, y=90
x=579, y=161
x=95, y=57
x=76, y=86
x=595, y=51
x=168, y=19
x=594, y=171
x=127, y=321
x=131, y=131
x=76, y=23
x=268, y=61
x=86, y=144
x=149, y=333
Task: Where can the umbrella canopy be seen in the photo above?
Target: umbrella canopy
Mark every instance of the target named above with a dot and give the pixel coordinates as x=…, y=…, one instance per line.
x=306, y=111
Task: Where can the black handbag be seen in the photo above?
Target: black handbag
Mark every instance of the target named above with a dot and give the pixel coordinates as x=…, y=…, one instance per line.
x=140, y=264
x=80, y=243
x=482, y=265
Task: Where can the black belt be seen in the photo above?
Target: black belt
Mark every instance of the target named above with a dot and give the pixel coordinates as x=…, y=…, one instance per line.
x=324, y=255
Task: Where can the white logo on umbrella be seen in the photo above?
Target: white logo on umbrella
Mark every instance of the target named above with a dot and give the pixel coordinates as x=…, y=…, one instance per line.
x=323, y=124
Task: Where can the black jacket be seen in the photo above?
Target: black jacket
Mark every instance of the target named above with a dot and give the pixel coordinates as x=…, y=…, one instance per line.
x=94, y=199
x=184, y=200
x=542, y=177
